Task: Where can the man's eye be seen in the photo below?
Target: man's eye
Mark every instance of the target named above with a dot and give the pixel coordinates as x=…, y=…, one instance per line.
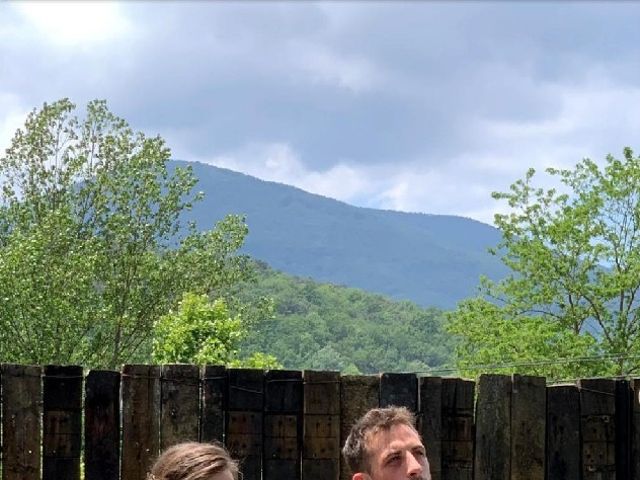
x=393, y=459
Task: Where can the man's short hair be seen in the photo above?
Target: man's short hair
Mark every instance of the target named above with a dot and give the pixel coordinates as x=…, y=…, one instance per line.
x=355, y=450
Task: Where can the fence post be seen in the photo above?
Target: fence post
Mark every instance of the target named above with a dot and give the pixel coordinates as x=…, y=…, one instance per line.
x=321, y=446
x=214, y=403
x=179, y=404
x=62, y=422
x=358, y=394
x=623, y=429
x=21, y=427
x=597, y=405
x=493, y=428
x=458, y=429
x=102, y=425
x=140, y=419
x=564, y=459
x=635, y=429
x=282, y=424
x=528, y=419
x=244, y=419
x=430, y=422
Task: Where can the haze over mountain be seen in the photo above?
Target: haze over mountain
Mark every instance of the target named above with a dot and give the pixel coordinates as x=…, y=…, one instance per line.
x=433, y=260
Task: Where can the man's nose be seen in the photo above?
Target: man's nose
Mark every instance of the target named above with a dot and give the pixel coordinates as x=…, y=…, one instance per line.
x=414, y=467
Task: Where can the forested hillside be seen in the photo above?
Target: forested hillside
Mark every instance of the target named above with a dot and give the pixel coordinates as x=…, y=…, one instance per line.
x=324, y=326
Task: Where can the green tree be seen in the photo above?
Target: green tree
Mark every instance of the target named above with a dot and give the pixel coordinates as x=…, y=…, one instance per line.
x=574, y=254
x=92, y=246
x=204, y=332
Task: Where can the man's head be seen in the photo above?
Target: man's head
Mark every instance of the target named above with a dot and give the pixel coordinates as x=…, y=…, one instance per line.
x=384, y=445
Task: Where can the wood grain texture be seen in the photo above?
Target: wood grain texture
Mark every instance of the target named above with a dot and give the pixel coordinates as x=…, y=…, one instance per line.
x=102, y=425
x=140, y=419
x=493, y=428
x=21, y=422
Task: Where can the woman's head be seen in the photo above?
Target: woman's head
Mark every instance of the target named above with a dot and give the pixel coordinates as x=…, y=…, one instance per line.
x=194, y=461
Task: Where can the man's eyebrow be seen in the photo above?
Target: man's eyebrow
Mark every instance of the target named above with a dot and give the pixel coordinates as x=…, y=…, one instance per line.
x=390, y=453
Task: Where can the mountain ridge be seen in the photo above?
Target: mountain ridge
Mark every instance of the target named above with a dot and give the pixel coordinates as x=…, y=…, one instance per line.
x=431, y=259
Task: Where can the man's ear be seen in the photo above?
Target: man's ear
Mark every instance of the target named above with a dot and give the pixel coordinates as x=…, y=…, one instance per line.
x=359, y=476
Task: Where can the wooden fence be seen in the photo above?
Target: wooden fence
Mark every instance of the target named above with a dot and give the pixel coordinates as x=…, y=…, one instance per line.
x=59, y=424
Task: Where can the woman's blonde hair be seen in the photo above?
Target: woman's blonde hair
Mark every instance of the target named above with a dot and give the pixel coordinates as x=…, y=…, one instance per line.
x=193, y=461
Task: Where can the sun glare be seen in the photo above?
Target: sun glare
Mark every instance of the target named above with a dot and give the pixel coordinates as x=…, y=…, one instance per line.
x=74, y=22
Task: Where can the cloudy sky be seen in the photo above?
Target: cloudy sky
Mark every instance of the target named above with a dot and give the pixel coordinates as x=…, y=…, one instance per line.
x=416, y=106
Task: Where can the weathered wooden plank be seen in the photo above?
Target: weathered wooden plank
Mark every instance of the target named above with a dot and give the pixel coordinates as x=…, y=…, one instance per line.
x=246, y=389
x=282, y=424
x=493, y=428
x=62, y=422
x=563, y=433
x=244, y=420
x=528, y=420
x=321, y=426
x=635, y=429
x=623, y=412
x=321, y=392
x=179, y=404
x=21, y=427
x=214, y=394
x=283, y=391
x=399, y=389
x=358, y=394
x=597, y=405
x=430, y=422
x=140, y=419
x=458, y=429
x=102, y=425
x=322, y=437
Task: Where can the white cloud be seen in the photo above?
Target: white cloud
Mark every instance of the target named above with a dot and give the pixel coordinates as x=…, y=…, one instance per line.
x=406, y=187
x=13, y=117
x=275, y=162
x=594, y=119
x=74, y=23
x=464, y=108
x=591, y=120
x=436, y=191
x=278, y=162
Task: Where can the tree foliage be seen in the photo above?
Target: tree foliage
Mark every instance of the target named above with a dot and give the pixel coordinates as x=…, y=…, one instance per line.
x=204, y=332
x=328, y=327
x=92, y=246
x=573, y=291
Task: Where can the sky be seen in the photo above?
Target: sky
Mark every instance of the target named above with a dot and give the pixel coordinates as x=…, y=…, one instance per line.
x=417, y=106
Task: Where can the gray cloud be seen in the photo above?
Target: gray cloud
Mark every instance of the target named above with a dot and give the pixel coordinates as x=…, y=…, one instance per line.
x=465, y=93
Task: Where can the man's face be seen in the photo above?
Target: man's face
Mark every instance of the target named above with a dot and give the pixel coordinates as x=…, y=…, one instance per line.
x=396, y=454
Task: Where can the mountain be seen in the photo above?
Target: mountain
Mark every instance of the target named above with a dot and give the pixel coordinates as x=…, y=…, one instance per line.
x=433, y=260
